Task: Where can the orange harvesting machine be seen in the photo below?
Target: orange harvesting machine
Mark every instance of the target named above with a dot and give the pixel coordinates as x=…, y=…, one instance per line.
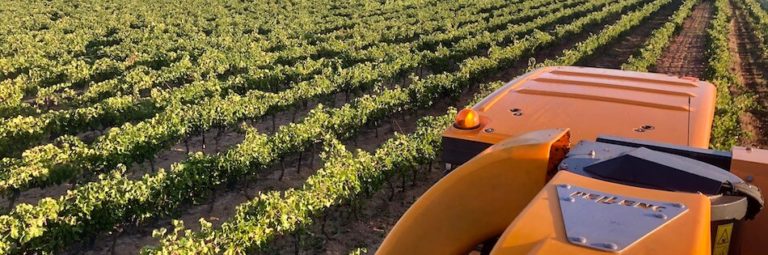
x=575, y=160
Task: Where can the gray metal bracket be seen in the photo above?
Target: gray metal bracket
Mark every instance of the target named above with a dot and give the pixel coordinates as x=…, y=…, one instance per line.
x=610, y=222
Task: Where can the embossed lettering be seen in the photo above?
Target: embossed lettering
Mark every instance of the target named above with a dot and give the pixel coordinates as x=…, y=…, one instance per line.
x=579, y=194
x=594, y=196
x=644, y=205
x=608, y=200
x=627, y=202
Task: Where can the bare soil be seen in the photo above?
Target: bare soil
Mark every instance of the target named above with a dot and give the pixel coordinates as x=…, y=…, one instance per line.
x=750, y=66
x=618, y=52
x=686, y=54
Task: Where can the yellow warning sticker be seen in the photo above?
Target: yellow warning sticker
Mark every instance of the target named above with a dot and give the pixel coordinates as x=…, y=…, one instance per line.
x=723, y=239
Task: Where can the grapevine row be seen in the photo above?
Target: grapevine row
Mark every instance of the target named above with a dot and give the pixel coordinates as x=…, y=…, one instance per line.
x=726, y=128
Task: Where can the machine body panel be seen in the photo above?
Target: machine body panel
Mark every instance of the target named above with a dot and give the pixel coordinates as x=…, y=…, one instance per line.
x=541, y=221
x=593, y=102
x=751, y=165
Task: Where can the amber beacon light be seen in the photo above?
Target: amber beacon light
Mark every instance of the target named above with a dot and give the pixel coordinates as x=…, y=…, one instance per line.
x=467, y=119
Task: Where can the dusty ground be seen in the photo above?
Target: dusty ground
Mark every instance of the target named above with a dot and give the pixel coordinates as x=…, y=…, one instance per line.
x=686, y=54
x=750, y=66
x=617, y=53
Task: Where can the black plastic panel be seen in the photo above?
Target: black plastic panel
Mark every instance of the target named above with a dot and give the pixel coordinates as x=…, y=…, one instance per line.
x=459, y=151
x=721, y=159
x=663, y=171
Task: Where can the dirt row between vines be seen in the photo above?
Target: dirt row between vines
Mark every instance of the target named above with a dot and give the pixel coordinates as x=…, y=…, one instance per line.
x=750, y=66
x=617, y=53
x=686, y=53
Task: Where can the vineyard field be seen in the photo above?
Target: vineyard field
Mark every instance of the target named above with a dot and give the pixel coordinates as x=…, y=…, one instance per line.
x=302, y=126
